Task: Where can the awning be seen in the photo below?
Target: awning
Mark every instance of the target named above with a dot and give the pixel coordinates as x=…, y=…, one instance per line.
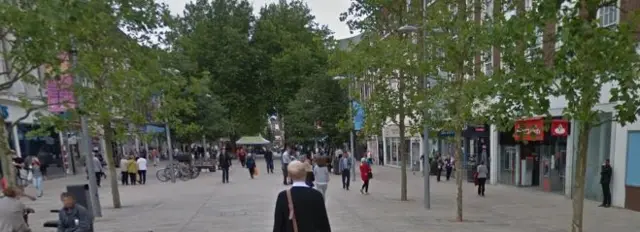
x=252, y=140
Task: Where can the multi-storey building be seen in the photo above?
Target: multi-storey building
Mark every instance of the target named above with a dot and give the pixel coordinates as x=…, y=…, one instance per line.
x=47, y=147
x=549, y=164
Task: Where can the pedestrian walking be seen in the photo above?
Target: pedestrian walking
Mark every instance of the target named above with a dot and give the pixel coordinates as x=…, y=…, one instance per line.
x=345, y=167
x=225, y=163
x=365, y=175
x=251, y=165
x=605, y=181
x=286, y=159
x=482, y=174
x=300, y=208
x=321, y=175
x=36, y=172
x=309, y=169
x=449, y=168
x=268, y=158
x=242, y=156
x=124, y=174
x=97, y=167
x=142, y=169
x=132, y=169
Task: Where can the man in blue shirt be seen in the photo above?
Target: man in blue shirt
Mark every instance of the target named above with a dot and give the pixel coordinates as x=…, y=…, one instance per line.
x=345, y=167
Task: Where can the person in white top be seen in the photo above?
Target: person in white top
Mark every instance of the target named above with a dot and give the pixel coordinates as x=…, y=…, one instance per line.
x=142, y=169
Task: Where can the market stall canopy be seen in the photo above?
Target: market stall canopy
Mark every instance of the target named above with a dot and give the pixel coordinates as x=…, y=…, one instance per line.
x=252, y=140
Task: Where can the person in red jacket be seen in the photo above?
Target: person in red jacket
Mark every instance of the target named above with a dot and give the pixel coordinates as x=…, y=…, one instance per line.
x=365, y=175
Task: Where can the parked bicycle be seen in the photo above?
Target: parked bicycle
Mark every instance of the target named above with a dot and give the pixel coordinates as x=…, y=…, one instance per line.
x=181, y=171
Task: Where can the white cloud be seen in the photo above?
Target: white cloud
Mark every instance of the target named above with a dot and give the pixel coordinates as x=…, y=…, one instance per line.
x=327, y=12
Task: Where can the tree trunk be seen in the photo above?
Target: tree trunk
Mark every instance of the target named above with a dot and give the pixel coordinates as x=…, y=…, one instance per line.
x=403, y=159
x=579, y=183
x=108, y=153
x=459, y=173
x=6, y=155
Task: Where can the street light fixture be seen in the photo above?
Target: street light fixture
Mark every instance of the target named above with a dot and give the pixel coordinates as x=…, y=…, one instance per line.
x=425, y=133
x=352, y=132
x=408, y=28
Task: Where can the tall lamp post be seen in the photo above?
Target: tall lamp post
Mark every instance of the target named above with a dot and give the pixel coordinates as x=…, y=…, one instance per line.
x=85, y=146
x=352, y=141
x=425, y=131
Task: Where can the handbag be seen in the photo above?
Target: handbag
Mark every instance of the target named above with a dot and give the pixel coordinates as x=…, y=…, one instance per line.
x=369, y=175
x=292, y=215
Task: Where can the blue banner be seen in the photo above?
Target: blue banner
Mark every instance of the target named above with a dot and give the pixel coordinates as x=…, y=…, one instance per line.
x=4, y=111
x=358, y=116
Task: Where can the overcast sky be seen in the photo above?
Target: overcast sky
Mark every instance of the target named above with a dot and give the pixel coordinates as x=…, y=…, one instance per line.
x=327, y=12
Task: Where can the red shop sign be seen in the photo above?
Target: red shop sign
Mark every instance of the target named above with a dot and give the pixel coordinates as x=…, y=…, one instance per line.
x=559, y=128
x=529, y=130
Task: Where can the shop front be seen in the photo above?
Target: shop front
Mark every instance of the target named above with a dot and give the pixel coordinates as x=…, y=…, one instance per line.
x=531, y=156
x=476, y=148
x=392, y=152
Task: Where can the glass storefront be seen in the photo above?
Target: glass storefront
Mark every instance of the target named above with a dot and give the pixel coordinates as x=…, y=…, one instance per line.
x=507, y=170
x=392, y=155
x=597, y=153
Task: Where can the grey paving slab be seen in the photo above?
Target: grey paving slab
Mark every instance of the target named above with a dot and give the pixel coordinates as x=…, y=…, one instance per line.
x=205, y=204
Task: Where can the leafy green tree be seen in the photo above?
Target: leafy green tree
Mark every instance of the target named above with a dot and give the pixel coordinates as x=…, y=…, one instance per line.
x=456, y=40
x=213, y=38
x=114, y=69
x=384, y=60
x=317, y=110
x=589, y=61
x=290, y=49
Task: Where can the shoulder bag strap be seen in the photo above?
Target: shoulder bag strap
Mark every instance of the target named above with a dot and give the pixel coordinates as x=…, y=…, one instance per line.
x=292, y=215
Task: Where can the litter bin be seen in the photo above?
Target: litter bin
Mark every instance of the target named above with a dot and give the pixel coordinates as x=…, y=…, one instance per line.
x=81, y=193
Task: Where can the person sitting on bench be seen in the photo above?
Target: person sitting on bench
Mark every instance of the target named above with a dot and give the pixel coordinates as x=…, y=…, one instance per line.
x=73, y=217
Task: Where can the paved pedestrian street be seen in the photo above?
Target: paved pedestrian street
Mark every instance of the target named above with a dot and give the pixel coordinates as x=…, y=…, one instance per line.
x=246, y=205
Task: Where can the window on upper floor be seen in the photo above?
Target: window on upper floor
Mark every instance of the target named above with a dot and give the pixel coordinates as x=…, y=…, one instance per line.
x=487, y=9
x=487, y=67
x=608, y=15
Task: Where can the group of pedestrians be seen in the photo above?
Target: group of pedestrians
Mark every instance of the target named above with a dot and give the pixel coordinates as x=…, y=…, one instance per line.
x=133, y=170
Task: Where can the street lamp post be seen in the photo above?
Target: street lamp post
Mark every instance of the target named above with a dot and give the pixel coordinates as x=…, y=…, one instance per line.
x=85, y=143
x=425, y=131
x=352, y=141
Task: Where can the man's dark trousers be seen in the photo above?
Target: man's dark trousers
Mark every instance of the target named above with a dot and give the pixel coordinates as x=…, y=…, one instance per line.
x=346, y=178
x=269, y=165
x=225, y=174
x=606, y=193
x=285, y=173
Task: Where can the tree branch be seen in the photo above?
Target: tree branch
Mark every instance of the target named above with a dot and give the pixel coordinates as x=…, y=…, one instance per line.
x=31, y=110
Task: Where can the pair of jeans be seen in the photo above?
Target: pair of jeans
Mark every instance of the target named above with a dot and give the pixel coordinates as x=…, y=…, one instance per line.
x=98, y=178
x=252, y=171
x=124, y=178
x=365, y=186
x=269, y=166
x=225, y=174
x=37, y=183
x=143, y=176
x=606, y=193
x=481, y=186
x=285, y=173
x=346, y=178
x=322, y=188
x=132, y=178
